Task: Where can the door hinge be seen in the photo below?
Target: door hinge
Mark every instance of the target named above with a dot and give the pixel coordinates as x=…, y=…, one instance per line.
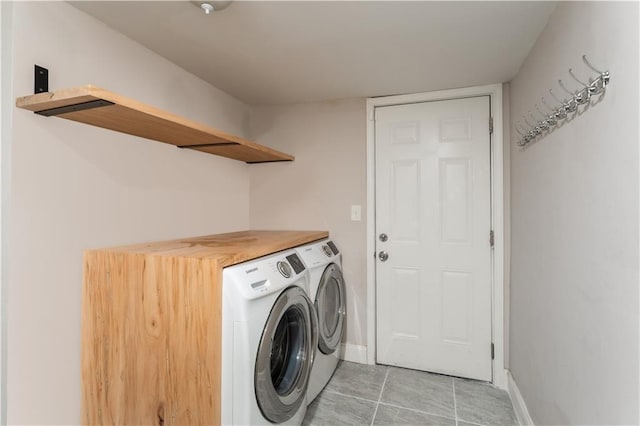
x=490, y=125
x=493, y=351
x=491, y=238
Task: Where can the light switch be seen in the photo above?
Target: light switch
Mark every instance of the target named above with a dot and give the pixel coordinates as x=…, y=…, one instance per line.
x=356, y=213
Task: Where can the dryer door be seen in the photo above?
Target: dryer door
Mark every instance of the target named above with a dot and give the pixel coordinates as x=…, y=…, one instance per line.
x=331, y=309
x=285, y=356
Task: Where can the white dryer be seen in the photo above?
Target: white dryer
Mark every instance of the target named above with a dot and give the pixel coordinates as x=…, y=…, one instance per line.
x=328, y=292
x=268, y=341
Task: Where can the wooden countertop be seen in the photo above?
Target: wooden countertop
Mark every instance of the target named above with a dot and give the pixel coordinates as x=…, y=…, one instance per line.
x=227, y=249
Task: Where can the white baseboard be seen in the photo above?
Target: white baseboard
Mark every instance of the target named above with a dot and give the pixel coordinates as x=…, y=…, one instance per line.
x=518, y=403
x=353, y=353
x=500, y=378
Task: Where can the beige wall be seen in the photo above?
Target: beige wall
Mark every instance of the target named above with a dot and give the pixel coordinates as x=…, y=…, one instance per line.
x=317, y=190
x=574, y=261
x=75, y=187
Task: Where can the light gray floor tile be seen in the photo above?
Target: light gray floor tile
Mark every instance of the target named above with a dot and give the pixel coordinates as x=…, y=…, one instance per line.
x=388, y=415
x=477, y=403
x=333, y=409
x=418, y=390
x=483, y=404
x=363, y=381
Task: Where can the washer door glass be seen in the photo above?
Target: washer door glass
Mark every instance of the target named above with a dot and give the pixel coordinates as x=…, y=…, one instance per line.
x=331, y=308
x=287, y=349
x=285, y=356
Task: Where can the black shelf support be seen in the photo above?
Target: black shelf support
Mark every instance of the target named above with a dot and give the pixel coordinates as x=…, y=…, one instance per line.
x=40, y=80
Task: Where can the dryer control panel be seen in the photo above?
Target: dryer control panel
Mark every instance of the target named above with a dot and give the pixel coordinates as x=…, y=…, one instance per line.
x=318, y=254
x=333, y=247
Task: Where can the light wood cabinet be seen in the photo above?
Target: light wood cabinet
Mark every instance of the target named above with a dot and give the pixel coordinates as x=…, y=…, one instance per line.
x=151, y=326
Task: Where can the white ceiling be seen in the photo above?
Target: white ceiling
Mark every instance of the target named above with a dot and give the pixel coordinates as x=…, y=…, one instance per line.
x=264, y=52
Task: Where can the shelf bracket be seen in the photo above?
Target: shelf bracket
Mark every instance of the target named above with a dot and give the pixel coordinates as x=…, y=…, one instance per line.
x=75, y=107
x=205, y=145
x=40, y=79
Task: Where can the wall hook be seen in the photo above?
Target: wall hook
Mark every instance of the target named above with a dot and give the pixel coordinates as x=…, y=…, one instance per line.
x=550, y=119
x=564, y=107
x=576, y=78
x=542, y=124
x=591, y=88
x=535, y=130
x=556, y=98
x=527, y=121
x=520, y=129
x=599, y=84
x=540, y=113
x=565, y=89
x=558, y=113
x=544, y=102
x=580, y=97
x=586, y=61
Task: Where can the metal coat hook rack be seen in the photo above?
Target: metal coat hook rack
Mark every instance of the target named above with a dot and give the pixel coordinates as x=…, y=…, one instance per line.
x=546, y=121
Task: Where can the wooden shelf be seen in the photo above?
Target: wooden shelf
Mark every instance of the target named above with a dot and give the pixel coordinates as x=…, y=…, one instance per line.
x=101, y=108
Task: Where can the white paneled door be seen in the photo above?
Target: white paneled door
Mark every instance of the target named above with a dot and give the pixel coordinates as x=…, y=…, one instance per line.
x=433, y=223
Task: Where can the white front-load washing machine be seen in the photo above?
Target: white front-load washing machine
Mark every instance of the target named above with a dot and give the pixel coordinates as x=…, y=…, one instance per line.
x=328, y=292
x=268, y=341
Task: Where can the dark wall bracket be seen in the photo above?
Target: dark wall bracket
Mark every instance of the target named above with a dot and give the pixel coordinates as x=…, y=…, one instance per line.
x=73, y=108
x=40, y=80
x=204, y=145
x=41, y=85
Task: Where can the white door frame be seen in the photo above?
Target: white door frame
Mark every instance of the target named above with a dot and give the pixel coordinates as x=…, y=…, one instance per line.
x=497, y=214
x=6, y=109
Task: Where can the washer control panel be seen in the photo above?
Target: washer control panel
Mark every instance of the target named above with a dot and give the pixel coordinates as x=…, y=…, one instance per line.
x=296, y=263
x=327, y=250
x=258, y=277
x=284, y=268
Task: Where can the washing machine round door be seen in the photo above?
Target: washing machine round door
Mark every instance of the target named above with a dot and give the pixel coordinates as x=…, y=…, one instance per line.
x=331, y=308
x=285, y=356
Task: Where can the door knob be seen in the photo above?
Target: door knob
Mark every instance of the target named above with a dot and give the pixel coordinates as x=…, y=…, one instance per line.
x=383, y=256
x=383, y=237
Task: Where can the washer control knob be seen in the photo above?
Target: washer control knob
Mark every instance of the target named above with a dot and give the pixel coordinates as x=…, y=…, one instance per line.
x=284, y=269
x=327, y=251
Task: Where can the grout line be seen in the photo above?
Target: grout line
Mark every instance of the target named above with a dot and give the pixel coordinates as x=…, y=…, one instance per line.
x=472, y=423
x=417, y=411
x=455, y=405
x=350, y=396
x=380, y=397
x=384, y=382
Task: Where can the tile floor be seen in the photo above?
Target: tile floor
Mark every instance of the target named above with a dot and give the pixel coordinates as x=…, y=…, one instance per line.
x=379, y=395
